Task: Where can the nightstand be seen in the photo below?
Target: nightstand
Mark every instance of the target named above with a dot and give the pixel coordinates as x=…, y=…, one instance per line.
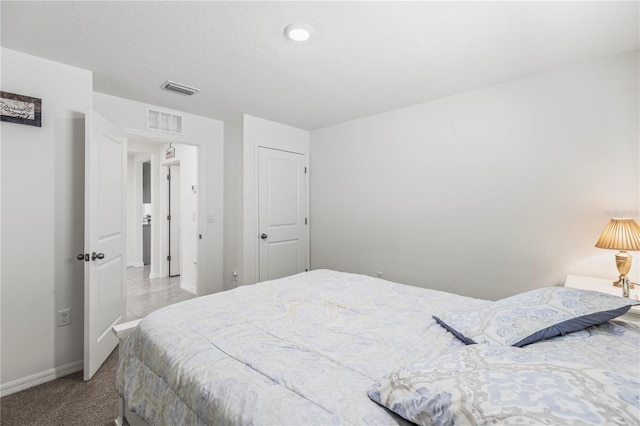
x=603, y=286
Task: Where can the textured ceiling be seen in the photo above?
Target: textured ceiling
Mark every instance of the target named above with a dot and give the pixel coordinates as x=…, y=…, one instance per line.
x=364, y=58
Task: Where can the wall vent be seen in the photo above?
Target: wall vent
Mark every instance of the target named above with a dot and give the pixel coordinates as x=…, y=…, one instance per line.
x=180, y=88
x=164, y=121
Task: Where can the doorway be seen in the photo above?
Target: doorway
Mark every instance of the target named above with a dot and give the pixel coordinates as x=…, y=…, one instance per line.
x=111, y=161
x=154, y=204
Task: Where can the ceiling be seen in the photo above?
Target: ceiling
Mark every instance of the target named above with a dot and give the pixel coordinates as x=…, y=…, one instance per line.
x=364, y=57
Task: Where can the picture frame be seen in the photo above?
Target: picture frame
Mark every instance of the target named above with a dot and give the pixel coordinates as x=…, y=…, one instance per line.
x=20, y=109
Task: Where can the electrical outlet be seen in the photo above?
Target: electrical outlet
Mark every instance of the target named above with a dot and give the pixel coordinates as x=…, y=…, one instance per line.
x=64, y=317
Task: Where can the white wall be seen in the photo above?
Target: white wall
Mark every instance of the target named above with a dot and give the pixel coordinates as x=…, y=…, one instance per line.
x=42, y=222
x=189, y=215
x=233, y=147
x=134, y=210
x=244, y=136
x=486, y=193
x=207, y=134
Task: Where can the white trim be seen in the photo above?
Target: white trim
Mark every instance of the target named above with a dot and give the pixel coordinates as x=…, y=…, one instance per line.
x=188, y=287
x=154, y=275
x=122, y=331
x=135, y=264
x=40, y=378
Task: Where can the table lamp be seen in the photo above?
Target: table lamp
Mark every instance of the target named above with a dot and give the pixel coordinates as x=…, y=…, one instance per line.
x=623, y=235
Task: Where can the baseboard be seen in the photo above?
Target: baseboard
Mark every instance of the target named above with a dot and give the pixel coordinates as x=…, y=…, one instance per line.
x=188, y=287
x=40, y=378
x=154, y=275
x=135, y=264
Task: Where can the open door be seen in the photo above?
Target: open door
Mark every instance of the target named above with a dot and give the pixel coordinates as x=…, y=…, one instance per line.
x=105, y=239
x=175, y=221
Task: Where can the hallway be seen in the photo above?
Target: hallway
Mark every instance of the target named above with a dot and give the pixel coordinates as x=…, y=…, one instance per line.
x=145, y=295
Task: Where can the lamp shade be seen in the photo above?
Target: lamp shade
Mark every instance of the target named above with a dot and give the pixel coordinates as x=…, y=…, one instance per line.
x=620, y=234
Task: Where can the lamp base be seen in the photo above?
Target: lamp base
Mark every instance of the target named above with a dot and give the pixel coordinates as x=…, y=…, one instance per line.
x=623, y=263
x=621, y=278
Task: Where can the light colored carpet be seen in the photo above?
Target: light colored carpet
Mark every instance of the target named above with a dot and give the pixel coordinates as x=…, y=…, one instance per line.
x=66, y=401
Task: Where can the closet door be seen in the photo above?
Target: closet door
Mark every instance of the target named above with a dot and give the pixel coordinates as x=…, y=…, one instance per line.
x=282, y=213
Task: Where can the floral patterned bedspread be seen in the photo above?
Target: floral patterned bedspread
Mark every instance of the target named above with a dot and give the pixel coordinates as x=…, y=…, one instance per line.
x=559, y=383
x=304, y=349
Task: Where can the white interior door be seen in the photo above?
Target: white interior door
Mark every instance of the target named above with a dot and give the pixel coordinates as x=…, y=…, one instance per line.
x=282, y=213
x=105, y=239
x=175, y=221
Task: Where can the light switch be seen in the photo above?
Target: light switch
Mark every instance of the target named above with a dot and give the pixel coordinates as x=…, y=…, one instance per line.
x=210, y=218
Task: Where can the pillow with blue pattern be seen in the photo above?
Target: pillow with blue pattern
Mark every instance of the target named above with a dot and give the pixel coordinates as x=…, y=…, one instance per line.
x=534, y=315
x=486, y=384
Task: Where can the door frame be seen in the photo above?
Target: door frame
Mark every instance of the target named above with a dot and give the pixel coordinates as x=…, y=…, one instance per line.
x=156, y=227
x=170, y=223
x=138, y=161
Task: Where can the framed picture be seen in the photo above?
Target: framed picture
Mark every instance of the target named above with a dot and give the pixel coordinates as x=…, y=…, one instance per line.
x=20, y=109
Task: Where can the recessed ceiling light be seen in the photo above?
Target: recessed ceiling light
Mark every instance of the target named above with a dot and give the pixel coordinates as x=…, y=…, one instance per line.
x=298, y=32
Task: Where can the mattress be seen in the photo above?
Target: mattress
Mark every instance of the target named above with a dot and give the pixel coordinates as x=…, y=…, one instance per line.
x=307, y=349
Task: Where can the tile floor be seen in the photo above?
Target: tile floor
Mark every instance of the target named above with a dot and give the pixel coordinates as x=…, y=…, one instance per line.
x=145, y=295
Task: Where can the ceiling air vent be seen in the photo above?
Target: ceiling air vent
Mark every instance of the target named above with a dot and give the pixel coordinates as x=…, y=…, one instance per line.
x=164, y=121
x=180, y=88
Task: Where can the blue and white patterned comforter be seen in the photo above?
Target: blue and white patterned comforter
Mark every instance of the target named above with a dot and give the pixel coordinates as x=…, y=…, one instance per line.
x=304, y=350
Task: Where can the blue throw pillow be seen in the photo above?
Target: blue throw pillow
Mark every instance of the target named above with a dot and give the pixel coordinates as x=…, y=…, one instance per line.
x=534, y=315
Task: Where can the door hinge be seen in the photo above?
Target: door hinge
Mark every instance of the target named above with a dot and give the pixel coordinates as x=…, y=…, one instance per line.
x=169, y=217
x=200, y=236
x=306, y=222
x=168, y=177
x=169, y=258
x=305, y=170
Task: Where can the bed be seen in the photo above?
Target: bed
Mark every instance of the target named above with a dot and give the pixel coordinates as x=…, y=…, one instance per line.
x=325, y=347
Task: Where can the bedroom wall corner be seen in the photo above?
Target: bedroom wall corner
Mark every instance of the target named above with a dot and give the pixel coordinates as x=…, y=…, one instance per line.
x=42, y=223
x=233, y=175
x=486, y=193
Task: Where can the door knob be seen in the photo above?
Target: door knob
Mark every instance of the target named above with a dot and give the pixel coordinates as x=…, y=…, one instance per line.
x=80, y=256
x=95, y=256
x=264, y=236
